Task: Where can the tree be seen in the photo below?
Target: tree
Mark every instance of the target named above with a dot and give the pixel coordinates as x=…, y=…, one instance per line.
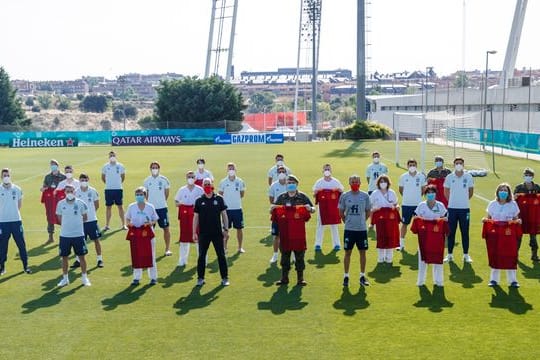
x=29, y=101
x=193, y=100
x=45, y=101
x=63, y=103
x=94, y=103
x=461, y=80
x=11, y=111
x=260, y=102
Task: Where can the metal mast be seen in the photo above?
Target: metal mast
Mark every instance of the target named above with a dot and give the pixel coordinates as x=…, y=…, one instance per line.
x=513, y=42
x=221, y=38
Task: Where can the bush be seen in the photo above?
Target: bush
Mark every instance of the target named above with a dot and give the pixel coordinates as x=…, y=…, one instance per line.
x=94, y=103
x=63, y=104
x=362, y=130
x=148, y=122
x=36, y=108
x=29, y=101
x=106, y=124
x=127, y=110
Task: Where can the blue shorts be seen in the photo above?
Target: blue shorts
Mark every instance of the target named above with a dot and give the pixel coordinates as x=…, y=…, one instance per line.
x=163, y=220
x=275, y=230
x=91, y=230
x=407, y=212
x=78, y=244
x=113, y=197
x=236, y=218
x=358, y=238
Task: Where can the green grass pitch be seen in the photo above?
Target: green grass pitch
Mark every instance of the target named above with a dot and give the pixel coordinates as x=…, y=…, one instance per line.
x=254, y=319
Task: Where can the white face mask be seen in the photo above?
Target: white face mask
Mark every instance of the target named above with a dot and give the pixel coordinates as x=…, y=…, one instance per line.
x=327, y=173
x=412, y=169
x=83, y=184
x=458, y=167
x=70, y=196
x=231, y=172
x=376, y=160
x=383, y=185
x=191, y=181
x=527, y=179
x=279, y=163
x=200, y=166
x=112, y=159
x=282, y=176
x=6, y=180
x=69, y=175
x=154, y=171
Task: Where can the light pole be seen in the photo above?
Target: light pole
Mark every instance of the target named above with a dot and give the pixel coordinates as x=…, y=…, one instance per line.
x=484, y=110
x=264, y=118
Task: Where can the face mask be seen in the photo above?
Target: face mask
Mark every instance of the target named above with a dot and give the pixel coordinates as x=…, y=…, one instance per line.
x=200, y=166
x=69, y=175
x=279, y=163
x=430, y=196
x=355, y=187
x=503, y=195
x=70, y=196
x=327, y=173
x=528, y=179
x=458, y=167
x=139, y=198
x=231, y=172
x=83, y=184
x=6, y=180
x=376, y=160
x=282, y=176
x=412, y=169
x=291, y=187
x=112, y=159
x=383, y=185
x=208, y=189
x=191, y=181
x=438, y=164
x=154, y=171
x=54, y=167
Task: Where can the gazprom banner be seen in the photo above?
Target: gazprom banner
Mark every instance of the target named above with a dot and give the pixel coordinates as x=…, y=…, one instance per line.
x=227, y=139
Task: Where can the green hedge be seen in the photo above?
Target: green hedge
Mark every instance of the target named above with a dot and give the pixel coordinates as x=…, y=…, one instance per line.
x=362, y=130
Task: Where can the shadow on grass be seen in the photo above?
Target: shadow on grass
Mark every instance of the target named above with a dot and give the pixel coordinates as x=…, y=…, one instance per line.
x=39, y=250
x=465, y=276
x=267, y=241
x=320, y=259
x=159, y=258
x=384, y=272
x=530, y=272
x=213, y=267
x=127, y=296
x=512, y=301
x=408, y=259
x=179, y=275
x=434, y=301
x=109, y=233
x=353, y=150
x=283, y=300
x=196, y=300
x=270, y=276
x=126, y=271
x=349, y=302
x=50, y=298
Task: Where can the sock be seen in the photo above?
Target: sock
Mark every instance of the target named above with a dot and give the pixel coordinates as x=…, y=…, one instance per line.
x=84, y=275
x=362, y=274
x=99, y=257
x=346, y=275
x=77, y=258
x=65, y=276
x=276, y=253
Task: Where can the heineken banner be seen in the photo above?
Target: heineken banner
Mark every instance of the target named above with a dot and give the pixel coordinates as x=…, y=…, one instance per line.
x=42, y=142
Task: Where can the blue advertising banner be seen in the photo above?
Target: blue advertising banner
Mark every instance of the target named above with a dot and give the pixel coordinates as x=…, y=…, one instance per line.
x=227, y=139
x=146, y=140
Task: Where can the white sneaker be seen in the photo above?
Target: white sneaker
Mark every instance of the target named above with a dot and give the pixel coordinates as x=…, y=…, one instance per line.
x=86, y=281
x=449, y=258
x=168, y=253
x=181, y=263
x=241, y=251
x=467, y=258
x=274, y=259
x=63, y=282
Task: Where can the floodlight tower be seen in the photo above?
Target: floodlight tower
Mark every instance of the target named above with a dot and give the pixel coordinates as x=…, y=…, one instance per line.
x=308, y=42
x=222, y=29
x=513, y=42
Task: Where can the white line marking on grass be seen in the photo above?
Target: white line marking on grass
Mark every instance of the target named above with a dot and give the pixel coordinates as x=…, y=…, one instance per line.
x=43, y=175
x=481, y=198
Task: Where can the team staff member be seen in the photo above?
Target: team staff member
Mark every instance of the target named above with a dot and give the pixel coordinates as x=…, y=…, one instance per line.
x=202, y=173
x=72, y=213
x=210, y=217
x=354, y=209
x=10, y=221
x=384, y=197
x=458, y=189
x=411, y=187
x=436, y=176
x=90, y=197
x=529, y=187
x=233, y=189
x=113, y=175
x=374, y=170
x=273, y=173
x=158, y=187
x=50, y=182
x=277, y=188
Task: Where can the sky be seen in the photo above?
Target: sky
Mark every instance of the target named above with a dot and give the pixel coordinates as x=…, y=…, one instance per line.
x=67, y=39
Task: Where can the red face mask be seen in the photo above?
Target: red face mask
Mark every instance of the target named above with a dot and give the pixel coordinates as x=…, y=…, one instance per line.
x=208, y=189
x=355, y=187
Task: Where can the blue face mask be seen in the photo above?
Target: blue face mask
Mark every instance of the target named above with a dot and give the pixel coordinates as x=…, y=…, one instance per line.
x=139, y=198
x=291, y=187
x=438, y=163
x=430, y=196
x=503, y=195
x=54, y=167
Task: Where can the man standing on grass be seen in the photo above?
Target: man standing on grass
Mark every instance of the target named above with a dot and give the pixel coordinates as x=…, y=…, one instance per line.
x=374, y=170
x=232, y=188
x=436, y=176
x=50, y=182
x=158, y=187
x=527, y=196
x=113, y=174
x=354, y=209
x=277, y=188
x=10, y=221
x=72, y=213
x=459, y=189
x=273, y=172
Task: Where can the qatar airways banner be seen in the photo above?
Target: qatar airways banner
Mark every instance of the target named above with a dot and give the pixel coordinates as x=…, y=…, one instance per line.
x=149, y=140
